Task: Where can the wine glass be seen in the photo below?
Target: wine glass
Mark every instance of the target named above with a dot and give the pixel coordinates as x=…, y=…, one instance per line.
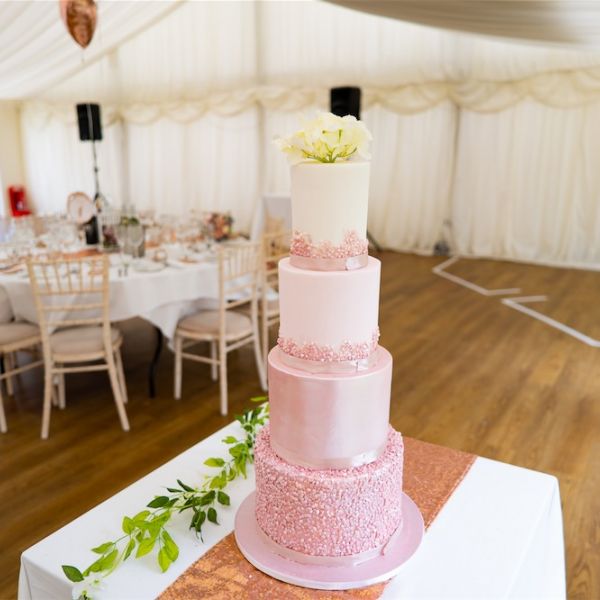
x=136, y=238
x=121, y=236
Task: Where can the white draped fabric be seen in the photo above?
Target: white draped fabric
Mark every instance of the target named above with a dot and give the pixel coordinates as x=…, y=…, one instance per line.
x=36, y=51
x=488, y=143
x=561, y=21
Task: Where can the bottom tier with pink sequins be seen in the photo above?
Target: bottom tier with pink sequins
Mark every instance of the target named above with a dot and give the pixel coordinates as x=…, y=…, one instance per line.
x=329, y=512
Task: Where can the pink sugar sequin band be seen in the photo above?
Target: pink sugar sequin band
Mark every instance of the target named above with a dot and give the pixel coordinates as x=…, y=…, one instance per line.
x=328, y=561
x=349, y=462
x=330, y=367
x=346, y=352
x=350, y=263
x=352, y=253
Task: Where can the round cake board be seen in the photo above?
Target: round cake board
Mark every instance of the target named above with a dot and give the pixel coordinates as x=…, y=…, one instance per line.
x=252, y=545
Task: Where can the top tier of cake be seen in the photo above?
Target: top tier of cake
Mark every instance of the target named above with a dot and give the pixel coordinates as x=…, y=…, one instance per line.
x=329, y=210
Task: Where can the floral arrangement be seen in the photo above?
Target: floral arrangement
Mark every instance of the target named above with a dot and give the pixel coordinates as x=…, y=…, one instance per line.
x=217, y=226
x=327, y=138
x=146, y=531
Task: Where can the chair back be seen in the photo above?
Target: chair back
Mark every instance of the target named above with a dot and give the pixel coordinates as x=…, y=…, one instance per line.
x=275, y=246
x=70, y=292
x=239, y=272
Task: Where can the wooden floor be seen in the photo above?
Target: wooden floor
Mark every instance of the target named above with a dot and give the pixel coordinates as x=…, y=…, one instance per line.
x=469, y=373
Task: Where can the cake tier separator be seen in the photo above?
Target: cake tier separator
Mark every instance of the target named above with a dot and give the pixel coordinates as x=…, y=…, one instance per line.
x=431, y=474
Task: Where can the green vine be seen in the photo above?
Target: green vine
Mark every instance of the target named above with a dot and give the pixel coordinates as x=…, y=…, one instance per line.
x=146, y=531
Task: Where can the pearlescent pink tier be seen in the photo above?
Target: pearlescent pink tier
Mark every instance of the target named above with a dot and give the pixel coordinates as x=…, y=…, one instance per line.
x=321, y=420
x=329, y=512
x=330, y=314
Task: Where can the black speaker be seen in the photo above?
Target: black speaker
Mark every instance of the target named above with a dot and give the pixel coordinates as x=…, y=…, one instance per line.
x=90, y=123
x=345, y=101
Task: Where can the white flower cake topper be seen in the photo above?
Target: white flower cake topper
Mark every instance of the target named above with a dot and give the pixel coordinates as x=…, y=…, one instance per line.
x=327, y=138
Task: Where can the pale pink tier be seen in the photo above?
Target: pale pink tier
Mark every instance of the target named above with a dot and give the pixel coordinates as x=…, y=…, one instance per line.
x=321, y=420
x=329, y=315
x=329, y=512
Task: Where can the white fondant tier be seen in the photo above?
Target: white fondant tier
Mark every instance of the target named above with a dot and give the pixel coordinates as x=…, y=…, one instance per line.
x=329, y=316
x=329, y=421
x=330, y=201
x=329, y=513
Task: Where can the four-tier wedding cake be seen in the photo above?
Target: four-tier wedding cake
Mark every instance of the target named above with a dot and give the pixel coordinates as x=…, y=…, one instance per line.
x=329, y=466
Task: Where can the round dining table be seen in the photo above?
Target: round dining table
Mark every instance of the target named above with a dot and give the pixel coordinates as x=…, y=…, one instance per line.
x=162, y=296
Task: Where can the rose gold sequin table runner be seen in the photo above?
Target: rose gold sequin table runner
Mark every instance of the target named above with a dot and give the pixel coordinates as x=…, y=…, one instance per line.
x=431, y=474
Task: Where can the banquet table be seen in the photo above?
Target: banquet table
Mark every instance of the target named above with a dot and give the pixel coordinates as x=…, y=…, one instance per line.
x=161, y=297
x=498, y=536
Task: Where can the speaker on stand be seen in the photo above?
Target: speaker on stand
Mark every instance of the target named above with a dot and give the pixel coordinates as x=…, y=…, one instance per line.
x=90, y=130
x=346, y=101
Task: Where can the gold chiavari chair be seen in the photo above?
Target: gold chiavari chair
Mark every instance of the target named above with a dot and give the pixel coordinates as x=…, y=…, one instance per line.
x=225, y=329
x=72, y=301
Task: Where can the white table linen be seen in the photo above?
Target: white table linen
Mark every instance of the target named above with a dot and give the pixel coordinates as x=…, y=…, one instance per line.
x=498, y=536
x=162, y=297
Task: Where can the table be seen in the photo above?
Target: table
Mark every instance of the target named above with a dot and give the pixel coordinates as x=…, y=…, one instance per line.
x=162, y=297
x=499, y=536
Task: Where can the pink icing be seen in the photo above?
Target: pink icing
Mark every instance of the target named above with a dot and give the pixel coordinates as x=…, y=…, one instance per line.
x=352, y=245
x=319, y=420
x=329, y=512
x=316, y=352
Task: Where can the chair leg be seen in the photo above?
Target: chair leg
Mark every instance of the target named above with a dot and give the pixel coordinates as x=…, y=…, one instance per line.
x=178, y=367
x=121, y=373
x=3, y=427
x=259, y=358
x=55, y=401
x=214, y=368
x=116, y=389
x=9, y=363
x=61, y=391
x=265, y=343
x=223, y=375
x=48, y=385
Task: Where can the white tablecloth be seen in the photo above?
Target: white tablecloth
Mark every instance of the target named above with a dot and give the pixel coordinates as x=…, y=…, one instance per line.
x=163, y=297
x=498, y=536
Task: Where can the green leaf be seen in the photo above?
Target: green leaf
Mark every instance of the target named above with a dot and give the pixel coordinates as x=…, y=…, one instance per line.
x=259, y=399
x=187, y=488
x=170, y=546
x=232, y=474
x=212, y=515
x=129, y=549
x=214, y=462
x=223, y=498
x=102, y=548
x=174, y=490
x=198, y=520
x=73, y=573
x=145, y=546
x=229, y=440
x=218, y=482
x=238, y=450
x=109, y=560
x=158, y=502
x=163, y=560
x=240, y=463
x=141, y=516
x=128, y=525
x=207, y=498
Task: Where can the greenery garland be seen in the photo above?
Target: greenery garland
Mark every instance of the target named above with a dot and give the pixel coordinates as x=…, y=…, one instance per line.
x=147, y=530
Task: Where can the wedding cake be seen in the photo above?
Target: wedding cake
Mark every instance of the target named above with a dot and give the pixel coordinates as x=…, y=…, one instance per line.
x=329, y=466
